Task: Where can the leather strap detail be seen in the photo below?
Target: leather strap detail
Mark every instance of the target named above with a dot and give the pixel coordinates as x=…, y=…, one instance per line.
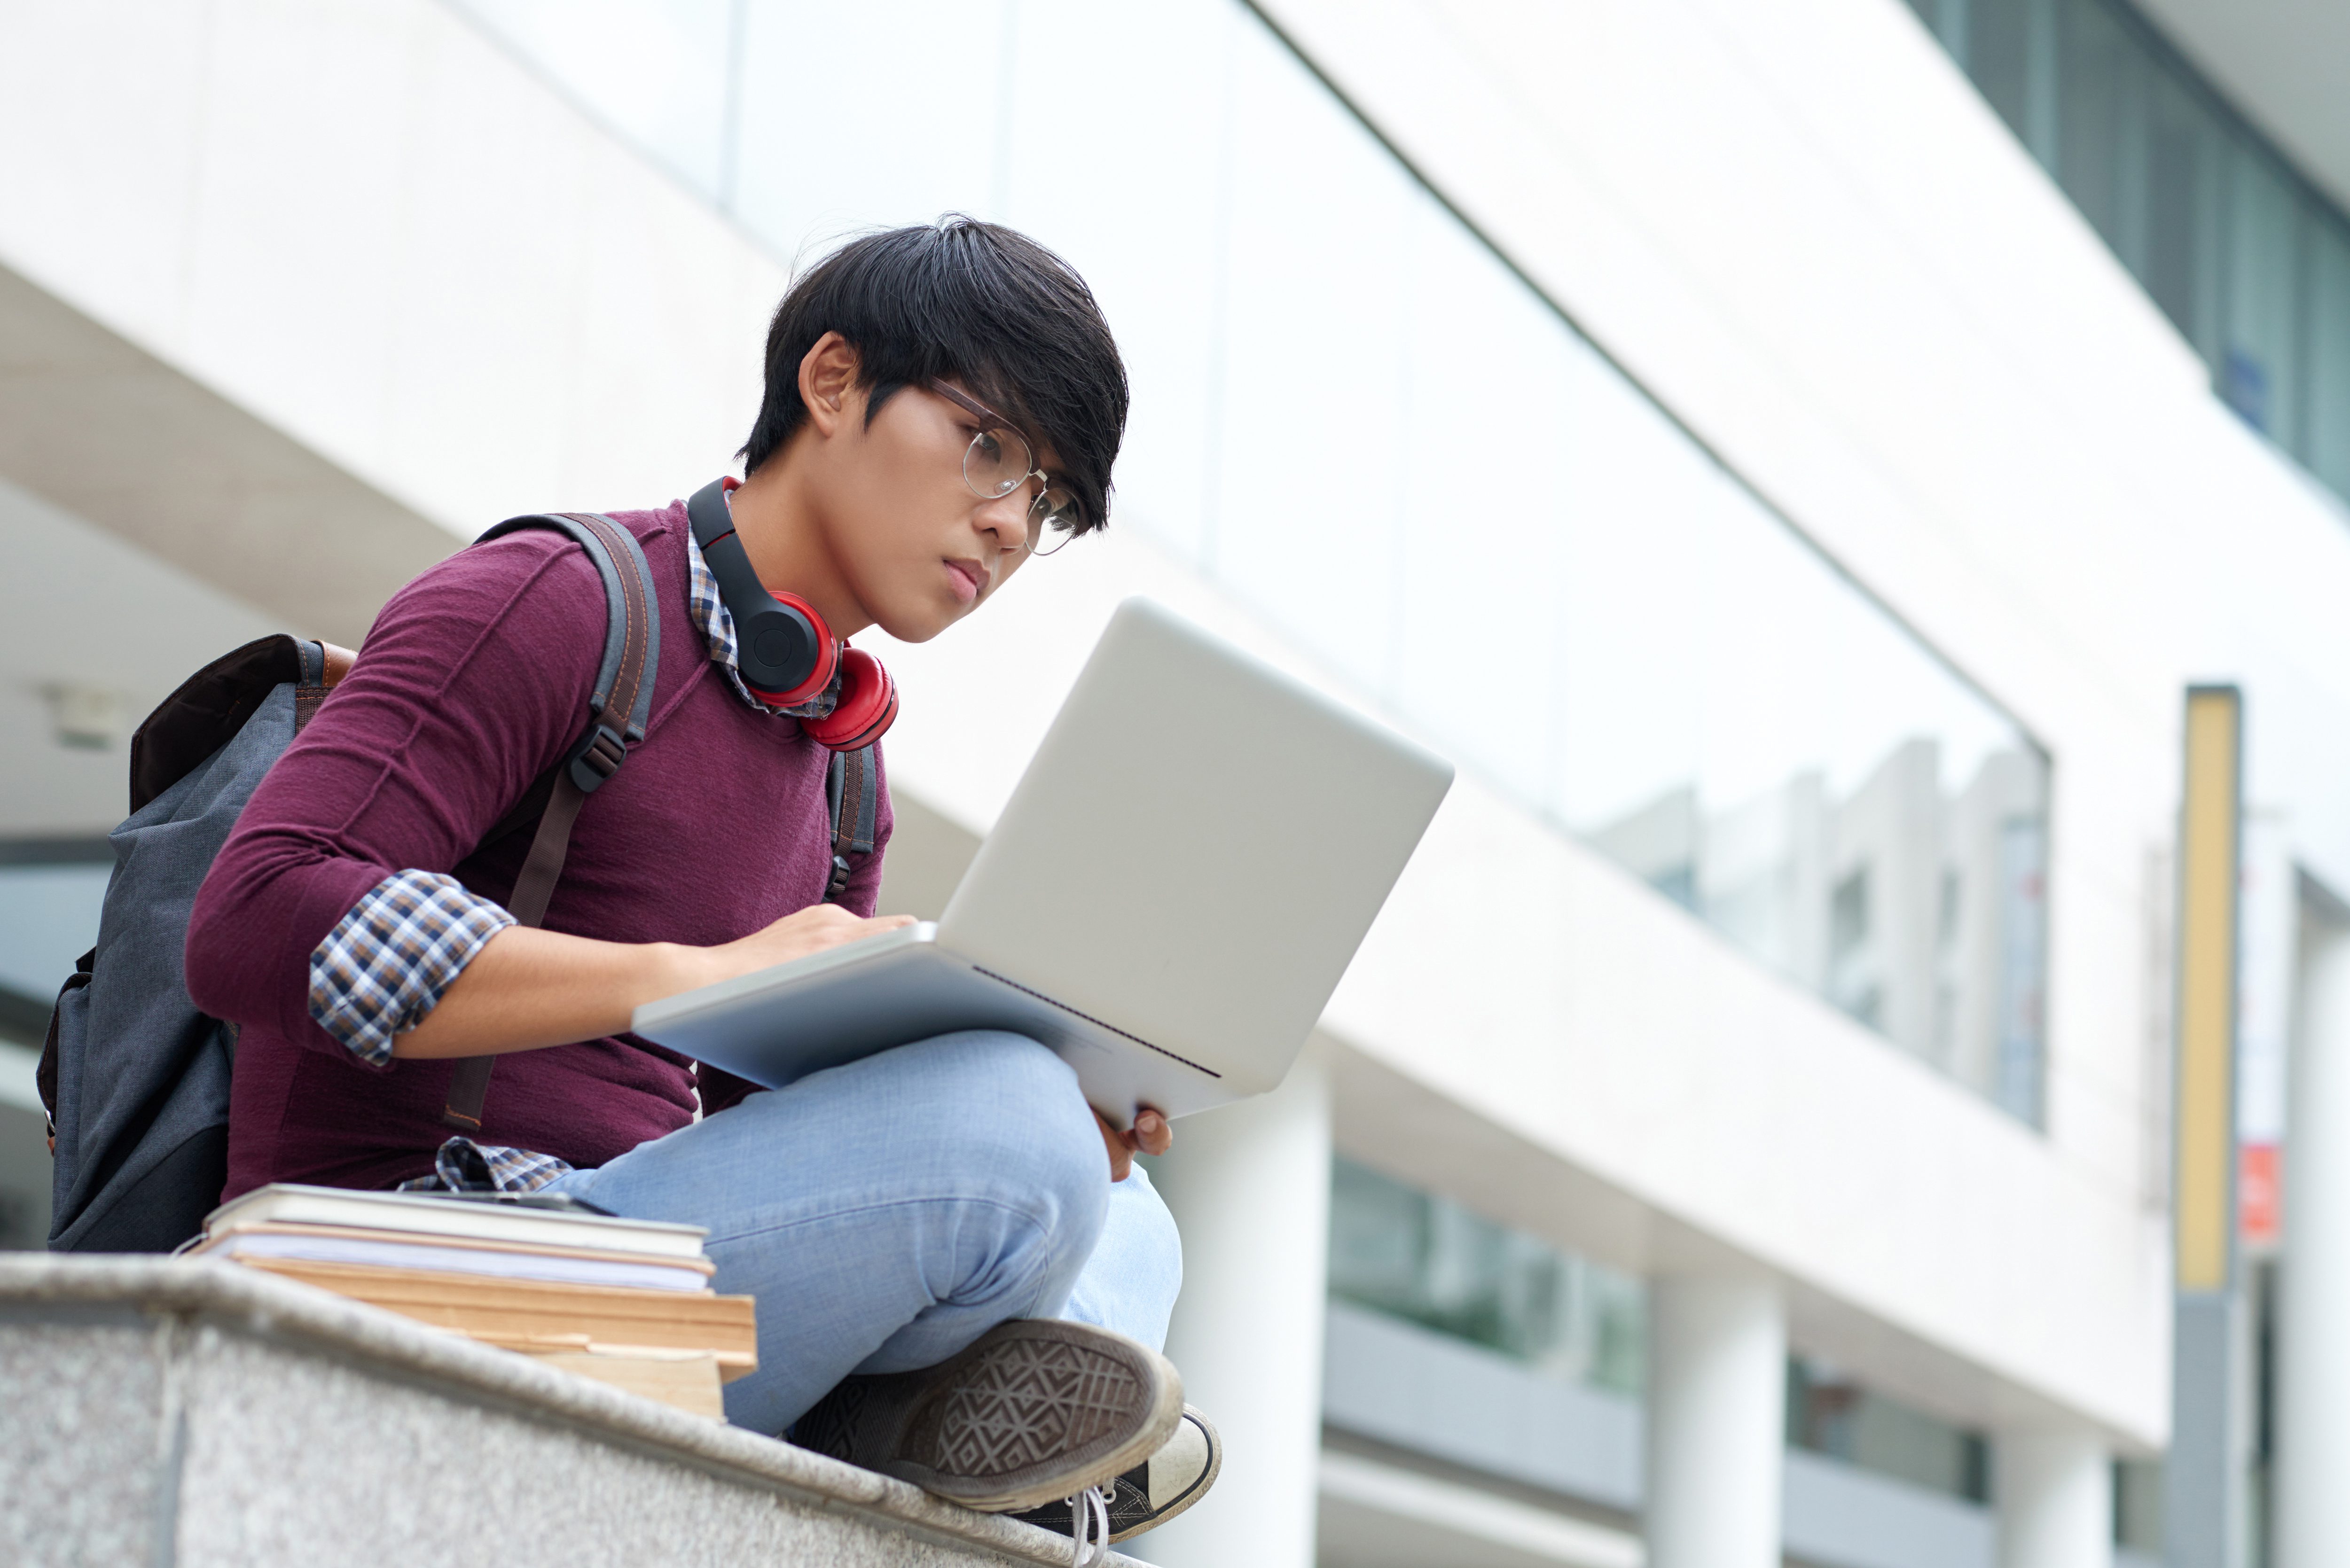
x=468, y=1088
x=324, y=665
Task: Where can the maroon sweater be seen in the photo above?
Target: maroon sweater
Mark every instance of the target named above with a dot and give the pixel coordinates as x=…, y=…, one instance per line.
x=472, y=682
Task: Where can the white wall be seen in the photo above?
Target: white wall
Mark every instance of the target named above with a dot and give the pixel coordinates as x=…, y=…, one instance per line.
x=365, y=224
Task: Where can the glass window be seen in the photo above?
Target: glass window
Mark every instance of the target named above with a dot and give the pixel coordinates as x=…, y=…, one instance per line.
x=1145, y=214
x=2260, y=269
x=2094, y=134
x=2329, y=352
x=50, y=894
x=1829, y=1413
x=2000, y=53
x=48, y=919
x=828, y=146
x=654, y=70
x=2179, y=261
x=1402, y=1252
x=1308, y=526
x=1424, y=1259
x=1487, y=470
x=2235, y=247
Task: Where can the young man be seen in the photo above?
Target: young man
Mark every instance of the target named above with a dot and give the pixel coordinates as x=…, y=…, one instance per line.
x=920, y=1228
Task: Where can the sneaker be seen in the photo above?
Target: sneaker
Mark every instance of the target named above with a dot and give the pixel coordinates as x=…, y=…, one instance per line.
x=1154, y=1491
x=1032, y=1410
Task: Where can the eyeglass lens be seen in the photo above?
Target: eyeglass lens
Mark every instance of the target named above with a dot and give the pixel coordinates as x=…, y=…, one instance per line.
x=997, y=463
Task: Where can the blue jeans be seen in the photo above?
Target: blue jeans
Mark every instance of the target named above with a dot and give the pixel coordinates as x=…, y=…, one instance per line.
x=889, y=1212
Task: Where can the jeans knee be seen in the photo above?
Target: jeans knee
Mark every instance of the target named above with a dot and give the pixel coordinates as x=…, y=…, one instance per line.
x=1018, y=1112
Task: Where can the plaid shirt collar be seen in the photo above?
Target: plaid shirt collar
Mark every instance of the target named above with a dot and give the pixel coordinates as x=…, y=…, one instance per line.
x=717, y=624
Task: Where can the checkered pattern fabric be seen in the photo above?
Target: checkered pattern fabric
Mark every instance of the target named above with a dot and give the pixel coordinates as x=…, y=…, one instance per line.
x=461, y=1165
x=388, y=962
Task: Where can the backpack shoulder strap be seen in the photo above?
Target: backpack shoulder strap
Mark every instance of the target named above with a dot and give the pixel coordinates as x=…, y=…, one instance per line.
x=617, y=711
x=624, y=678
x=852, y=787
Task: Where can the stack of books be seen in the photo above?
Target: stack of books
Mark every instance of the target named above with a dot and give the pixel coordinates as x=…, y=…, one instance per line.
x=626, y=1302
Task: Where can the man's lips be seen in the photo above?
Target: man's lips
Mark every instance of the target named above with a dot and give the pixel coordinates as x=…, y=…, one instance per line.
x=969, y=577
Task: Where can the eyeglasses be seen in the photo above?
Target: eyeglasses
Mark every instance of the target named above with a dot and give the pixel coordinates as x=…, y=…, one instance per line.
x=999, y=462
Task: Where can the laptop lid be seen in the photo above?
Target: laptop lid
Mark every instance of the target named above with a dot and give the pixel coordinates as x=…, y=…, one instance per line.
x=1196, y=849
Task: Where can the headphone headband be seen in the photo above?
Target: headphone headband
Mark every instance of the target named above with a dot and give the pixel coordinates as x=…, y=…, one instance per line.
x=782, y=647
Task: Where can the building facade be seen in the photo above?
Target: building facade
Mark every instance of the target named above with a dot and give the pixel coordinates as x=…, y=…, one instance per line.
x=1791, y=458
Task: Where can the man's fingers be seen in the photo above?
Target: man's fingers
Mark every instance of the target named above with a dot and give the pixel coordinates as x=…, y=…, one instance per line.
x=1118, y=1145
x=1151, y=1134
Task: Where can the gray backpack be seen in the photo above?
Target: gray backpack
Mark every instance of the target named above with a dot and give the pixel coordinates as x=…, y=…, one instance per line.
x=135, y=1079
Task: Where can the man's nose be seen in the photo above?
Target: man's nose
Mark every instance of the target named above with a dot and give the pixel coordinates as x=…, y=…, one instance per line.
x=1006, y=516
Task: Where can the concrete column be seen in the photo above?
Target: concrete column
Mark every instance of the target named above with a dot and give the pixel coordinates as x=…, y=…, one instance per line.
x=1717, y=1422
x=2313, y=1374
x=2055, y=1493
x=1250, y=1186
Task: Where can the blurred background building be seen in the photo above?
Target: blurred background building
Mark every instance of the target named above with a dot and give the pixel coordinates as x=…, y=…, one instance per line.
x=1791, y=457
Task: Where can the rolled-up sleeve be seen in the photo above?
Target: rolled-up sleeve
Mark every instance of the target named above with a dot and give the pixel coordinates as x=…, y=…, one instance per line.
x=386, y=964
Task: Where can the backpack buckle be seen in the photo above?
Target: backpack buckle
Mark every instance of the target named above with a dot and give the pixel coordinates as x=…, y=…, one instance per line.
x=596, y=757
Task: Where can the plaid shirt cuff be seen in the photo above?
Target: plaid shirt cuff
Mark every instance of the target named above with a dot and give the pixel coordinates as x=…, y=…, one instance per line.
x=386, y=963
x=461, y=1165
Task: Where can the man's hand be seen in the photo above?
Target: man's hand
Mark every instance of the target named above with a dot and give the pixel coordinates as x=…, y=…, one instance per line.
x=528, y=988
x=1151, y=1136
x=795, y=936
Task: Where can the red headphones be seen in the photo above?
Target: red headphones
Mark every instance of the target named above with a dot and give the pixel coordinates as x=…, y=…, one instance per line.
x=785, y=653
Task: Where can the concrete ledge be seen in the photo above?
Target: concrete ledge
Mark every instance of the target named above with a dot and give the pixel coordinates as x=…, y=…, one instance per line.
x=189, y=1414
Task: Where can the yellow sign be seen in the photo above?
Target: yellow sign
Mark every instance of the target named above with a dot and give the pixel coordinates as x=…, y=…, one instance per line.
x=2208, y=844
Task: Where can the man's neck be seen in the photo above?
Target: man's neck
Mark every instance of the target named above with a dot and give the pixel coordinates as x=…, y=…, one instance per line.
x=783, y=533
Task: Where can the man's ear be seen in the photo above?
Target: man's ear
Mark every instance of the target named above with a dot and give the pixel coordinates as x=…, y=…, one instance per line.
x=828, y=381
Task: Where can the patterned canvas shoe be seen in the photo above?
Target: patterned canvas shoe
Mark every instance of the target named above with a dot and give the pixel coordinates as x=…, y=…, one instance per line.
x=1154, y=1491
x=1032, y=1410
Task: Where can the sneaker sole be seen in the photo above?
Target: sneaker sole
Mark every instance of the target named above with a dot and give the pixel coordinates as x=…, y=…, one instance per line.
x=1035, y=1410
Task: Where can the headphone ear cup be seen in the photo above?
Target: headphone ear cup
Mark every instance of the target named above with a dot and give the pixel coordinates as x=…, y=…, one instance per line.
x=784, y=639
x=867, y=705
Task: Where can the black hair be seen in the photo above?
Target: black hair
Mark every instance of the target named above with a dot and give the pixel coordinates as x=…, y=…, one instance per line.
x=969, y=300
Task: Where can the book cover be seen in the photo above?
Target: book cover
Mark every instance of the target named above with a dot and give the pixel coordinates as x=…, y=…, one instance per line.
x=421, y=1213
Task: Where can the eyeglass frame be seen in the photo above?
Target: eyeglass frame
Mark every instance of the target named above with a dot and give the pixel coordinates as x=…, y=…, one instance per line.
x=992, y=420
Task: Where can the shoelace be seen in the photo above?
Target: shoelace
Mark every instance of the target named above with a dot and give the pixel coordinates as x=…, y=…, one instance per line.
x=1088, y=1516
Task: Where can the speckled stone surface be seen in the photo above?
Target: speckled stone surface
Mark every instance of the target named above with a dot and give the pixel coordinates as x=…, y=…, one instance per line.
x=195, y=1415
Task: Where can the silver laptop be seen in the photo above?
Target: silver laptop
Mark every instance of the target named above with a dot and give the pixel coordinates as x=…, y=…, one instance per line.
x=1167, y=901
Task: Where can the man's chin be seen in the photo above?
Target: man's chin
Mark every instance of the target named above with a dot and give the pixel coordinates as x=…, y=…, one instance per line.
x=925, y=623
